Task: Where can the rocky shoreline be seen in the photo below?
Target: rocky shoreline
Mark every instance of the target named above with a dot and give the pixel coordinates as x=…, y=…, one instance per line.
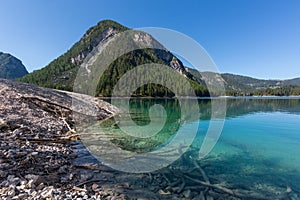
x=36, y=158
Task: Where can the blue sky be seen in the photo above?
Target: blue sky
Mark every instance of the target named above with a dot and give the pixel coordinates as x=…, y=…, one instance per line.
x=259, y=38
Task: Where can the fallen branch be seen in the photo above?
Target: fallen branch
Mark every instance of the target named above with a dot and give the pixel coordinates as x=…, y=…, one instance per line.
x=181, y=187
x=229, y=191
x=201, y=171
x=166, y=178
x=170, y=183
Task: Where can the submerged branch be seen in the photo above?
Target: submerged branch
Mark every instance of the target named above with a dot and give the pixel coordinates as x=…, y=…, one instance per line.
x=229, y=191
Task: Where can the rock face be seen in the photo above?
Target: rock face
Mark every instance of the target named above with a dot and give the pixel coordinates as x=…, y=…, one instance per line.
x=11, y=67
x=107, y=33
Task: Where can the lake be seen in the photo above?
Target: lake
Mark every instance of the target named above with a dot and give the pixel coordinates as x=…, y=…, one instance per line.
x=258, y=149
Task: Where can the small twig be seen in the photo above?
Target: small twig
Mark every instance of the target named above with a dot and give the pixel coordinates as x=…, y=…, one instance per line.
x=79, y=189
x=68, y=126
x=68, y=137
x=88, y=181
x=91, y=167
x=150, y=177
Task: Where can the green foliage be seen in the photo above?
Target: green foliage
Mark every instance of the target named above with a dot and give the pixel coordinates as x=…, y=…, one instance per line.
x=237, y=82
x=139, y=57
x=289, y=90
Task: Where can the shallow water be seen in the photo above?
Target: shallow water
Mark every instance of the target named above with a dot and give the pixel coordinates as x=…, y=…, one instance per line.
x=259, y=147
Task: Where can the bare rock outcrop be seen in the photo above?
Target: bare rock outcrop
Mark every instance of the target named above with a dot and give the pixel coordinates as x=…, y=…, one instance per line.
x=36, y=128
x=41, y=110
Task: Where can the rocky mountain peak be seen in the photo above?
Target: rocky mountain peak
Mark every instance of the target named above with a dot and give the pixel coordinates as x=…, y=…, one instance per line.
x=107, y=33
x=11, y=67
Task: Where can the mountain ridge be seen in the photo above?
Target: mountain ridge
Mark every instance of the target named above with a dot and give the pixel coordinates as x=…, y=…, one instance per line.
x=243, y=82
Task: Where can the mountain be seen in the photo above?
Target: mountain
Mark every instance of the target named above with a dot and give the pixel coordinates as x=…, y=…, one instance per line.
x=295, y=81
x=61, y=72
x=238, y=82
x=242, y=83
x=11, y=67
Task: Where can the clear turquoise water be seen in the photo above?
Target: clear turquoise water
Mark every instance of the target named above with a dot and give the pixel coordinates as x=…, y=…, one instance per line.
x=259, y=147
x=260, y=144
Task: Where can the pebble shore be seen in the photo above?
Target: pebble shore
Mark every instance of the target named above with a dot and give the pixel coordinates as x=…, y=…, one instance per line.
x=36, y=158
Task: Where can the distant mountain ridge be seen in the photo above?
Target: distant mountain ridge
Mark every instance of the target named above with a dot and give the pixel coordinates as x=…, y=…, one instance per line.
x=294, y=81
x=254, y=83
x=239, y=82
x=11, y=67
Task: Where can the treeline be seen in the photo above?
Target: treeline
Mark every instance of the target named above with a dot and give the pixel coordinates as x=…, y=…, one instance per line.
x=288, y=90
x=135, y=58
